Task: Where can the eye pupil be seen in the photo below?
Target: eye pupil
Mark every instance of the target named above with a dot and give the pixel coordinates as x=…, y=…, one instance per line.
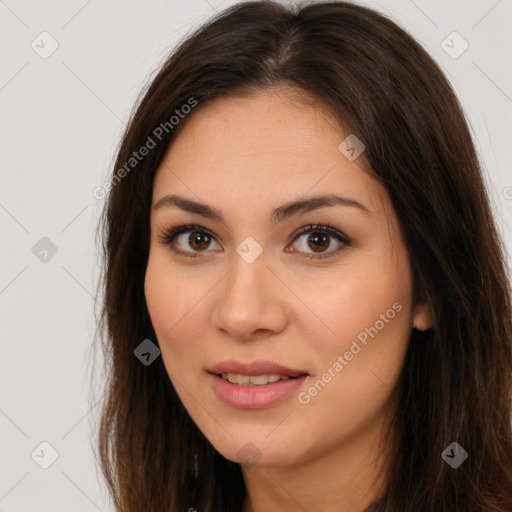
x=316, y=237
x=194, y=240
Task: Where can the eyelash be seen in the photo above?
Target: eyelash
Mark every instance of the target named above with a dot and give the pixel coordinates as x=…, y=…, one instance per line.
x=167, y=237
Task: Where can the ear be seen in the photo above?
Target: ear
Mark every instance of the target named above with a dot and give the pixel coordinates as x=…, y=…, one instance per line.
x=423, y=319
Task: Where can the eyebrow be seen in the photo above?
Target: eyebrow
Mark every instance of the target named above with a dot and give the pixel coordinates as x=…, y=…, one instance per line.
x=278, y=215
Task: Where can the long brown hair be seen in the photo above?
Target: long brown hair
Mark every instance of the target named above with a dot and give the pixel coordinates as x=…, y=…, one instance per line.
x=456, y=383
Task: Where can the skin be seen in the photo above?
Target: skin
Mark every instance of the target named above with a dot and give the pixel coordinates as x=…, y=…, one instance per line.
x=245, y=156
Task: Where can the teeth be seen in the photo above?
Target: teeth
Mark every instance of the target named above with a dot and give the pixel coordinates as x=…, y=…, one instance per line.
x=253, y=380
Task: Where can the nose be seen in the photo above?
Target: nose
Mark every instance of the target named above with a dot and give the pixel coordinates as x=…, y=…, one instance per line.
x=251, y=301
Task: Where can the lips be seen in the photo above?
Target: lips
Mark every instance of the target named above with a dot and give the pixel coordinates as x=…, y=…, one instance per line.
x=255, y=397
x=254, y=368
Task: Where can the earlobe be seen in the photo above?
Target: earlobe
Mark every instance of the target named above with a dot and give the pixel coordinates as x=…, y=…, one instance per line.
x=423, y=319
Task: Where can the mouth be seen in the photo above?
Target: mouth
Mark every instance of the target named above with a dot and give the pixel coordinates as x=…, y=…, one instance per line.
x=254, y=380
x=258, y=372
x=255, y=385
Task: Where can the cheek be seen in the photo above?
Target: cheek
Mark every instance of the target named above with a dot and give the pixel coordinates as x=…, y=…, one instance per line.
x=170, y=300
x=365, y=313
x=159, y=298
x=177, y=310
x=358, y=367
x=350, y=304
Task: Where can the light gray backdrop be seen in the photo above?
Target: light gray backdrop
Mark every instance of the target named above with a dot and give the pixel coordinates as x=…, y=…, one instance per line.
x=70, y=73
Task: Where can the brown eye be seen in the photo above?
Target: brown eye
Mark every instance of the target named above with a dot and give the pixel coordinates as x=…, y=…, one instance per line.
x=319, y=240
x=190, y=241
x=198, y=240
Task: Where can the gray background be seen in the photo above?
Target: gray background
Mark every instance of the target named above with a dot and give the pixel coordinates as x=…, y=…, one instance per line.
x=61, y=120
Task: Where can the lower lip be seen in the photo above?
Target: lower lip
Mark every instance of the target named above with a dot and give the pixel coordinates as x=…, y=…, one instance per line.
x=254, y=397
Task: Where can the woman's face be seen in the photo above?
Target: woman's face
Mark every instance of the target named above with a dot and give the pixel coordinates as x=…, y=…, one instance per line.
x=334, y=306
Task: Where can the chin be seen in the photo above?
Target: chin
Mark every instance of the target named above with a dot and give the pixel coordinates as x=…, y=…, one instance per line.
x=257, y=451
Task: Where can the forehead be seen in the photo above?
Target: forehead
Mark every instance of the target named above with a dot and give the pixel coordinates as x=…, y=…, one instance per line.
x=275, y=145
x=279, y=121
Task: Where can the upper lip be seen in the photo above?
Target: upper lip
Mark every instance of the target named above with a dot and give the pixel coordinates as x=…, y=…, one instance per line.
x=254, y=368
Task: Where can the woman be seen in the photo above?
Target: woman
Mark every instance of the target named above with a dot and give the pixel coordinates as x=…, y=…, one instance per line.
x=297, y=224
